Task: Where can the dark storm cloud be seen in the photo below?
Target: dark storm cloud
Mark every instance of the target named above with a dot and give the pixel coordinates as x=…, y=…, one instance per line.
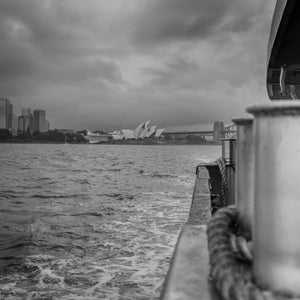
x=173, y=73
x=110, y=64
x=169, y=20
x=45, y=38
x=173, y=19
x=221, y=50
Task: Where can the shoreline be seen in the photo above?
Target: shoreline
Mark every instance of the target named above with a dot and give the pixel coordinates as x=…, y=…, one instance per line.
x=137, y=143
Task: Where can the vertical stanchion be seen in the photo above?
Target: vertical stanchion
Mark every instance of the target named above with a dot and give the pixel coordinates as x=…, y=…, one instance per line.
x=229, y=150
x=244, y=178
x=229, y=154
x=277, y=196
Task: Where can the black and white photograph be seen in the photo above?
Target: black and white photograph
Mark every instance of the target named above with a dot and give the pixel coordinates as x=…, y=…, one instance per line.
x=144, y=149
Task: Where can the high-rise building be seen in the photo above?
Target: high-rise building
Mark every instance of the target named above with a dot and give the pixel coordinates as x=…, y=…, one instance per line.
x=10, y=116
x=15, y=122
x=39, y=121
x=23, y=123
x=6, y=112
x=14, y=128
x=26, y=112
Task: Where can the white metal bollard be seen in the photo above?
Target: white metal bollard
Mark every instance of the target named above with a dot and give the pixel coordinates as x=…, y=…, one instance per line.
x=277, y=195
x=244, y=178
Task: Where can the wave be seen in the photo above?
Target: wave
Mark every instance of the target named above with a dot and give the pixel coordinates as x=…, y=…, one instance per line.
x=119, y=196
x=41, y=196
x=81, y=181
x=10, y=194
x=92, y=214
x=38, y=186
x=159, y=175
x=106, y=170
x=119, y=228
x=12, y=246
x=43, y=178
x=5, y=196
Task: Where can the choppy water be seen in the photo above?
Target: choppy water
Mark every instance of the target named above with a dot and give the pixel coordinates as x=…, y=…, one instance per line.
x=92, y=221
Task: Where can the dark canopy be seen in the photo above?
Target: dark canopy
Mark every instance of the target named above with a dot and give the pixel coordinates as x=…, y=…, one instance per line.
x=283, y=74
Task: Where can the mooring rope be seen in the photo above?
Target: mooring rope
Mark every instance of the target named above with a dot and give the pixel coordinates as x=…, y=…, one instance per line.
x=231, y=260
x=224, y=184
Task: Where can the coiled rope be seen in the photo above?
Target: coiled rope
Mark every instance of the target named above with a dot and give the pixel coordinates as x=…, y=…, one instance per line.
x=231, y=260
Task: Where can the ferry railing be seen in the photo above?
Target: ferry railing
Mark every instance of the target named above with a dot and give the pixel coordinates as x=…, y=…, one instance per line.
x=189, y=268
x=265, y=265
x=253, y=245
x=214, y=183
x=229, y=155
x=221, y=178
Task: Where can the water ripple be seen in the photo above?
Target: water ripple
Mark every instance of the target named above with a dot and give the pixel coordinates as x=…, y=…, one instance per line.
x=102, y=227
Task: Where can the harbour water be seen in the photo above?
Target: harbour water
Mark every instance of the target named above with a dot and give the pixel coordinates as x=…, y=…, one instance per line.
x=92, y=221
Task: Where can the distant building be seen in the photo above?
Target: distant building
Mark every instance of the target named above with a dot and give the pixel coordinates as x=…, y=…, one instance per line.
x=15, y=123
x=23, y=123
x=26, y=112
x=123, y=134
x=95, y=138
x=14, y=128
x=10, y=116
x=6, y=112
x=142, y=131
x=39, y=121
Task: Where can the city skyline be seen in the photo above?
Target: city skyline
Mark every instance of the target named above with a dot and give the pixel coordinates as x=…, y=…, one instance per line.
x=27, y=120
x=97, y=64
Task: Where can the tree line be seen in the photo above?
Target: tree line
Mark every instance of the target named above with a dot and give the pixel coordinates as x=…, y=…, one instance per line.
x=51, y=136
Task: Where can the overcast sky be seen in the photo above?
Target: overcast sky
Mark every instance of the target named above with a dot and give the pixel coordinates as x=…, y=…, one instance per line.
x=109, y=64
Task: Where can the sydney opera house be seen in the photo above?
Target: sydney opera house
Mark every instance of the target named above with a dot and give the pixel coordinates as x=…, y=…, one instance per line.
x=144, y=130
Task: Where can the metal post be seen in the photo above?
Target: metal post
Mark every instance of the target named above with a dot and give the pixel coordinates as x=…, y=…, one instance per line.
x=277, y=196
x=244, y=179
x=229, y=154
x=229, y=150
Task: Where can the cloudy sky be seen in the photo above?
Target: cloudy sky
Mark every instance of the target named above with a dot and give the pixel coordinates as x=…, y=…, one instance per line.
x=109, y=64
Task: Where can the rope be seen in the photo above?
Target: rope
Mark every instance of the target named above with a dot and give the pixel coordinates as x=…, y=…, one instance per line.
x=231, y=260
x=224, y=184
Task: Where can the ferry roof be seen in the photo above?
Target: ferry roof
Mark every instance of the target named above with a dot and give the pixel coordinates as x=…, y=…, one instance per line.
x=283, y=73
